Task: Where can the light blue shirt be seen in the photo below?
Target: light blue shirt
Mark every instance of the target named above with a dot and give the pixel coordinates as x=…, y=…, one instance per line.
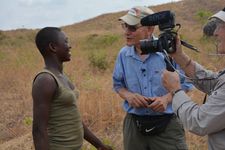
x=143, y=77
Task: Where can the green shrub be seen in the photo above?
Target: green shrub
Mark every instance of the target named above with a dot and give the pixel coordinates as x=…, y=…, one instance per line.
x=95, y=41
x=28, y=121
x=2, y=36
x=203, y=15
x=98, y=59
x=2, y=56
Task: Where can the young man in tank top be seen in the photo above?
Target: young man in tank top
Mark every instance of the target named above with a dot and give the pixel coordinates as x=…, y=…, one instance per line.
x=57, y=123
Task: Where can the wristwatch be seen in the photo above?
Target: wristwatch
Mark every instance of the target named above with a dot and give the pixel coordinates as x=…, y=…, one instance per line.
x=176, y=91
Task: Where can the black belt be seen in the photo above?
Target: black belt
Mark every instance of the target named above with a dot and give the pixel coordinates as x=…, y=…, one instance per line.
x=149, y=117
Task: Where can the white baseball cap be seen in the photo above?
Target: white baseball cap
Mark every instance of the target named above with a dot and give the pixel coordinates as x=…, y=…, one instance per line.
x=220, y=15
x=134, y=15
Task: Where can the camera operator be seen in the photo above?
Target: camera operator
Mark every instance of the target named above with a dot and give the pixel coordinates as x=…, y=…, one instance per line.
x=207, y=119
x=150, y=122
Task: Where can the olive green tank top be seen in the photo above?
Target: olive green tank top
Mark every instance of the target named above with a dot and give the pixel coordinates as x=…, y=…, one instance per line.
x=65, y=129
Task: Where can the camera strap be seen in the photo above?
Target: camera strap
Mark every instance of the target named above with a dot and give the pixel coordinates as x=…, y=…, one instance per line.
x=169, y=62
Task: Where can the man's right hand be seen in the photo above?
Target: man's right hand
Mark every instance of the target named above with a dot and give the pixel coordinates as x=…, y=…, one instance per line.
x=171, y=80
x=178, y=51
x=137, y=100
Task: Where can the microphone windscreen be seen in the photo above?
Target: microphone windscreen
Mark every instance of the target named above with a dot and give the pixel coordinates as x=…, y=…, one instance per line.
x=147, y=21
x=210, y=27
x=157, y=18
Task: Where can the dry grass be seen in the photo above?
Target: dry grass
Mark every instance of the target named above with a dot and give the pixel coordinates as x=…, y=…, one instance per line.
x=100, y=106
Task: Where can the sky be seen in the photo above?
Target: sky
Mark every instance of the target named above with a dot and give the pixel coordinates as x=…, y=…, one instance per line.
x=32, y=14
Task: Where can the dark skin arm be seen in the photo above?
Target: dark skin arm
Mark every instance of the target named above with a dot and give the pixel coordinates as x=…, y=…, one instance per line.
x=91, y=138
x=42, y=92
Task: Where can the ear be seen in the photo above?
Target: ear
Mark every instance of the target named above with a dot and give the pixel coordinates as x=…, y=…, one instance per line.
x=52, y=47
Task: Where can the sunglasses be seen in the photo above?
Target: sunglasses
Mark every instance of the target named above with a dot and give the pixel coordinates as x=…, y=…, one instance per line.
x=129, y=27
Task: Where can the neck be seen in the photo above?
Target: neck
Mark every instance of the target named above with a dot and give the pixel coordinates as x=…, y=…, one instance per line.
x=142, y=56
x=138, y=50
x=54, y=65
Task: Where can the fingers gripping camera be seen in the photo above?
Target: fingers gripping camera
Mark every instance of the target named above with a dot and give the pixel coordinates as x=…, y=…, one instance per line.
x=167, y=39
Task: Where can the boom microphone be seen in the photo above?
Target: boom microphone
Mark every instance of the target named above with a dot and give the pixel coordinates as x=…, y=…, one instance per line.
x=167, y=39
x=210, y=27
x=157, y=18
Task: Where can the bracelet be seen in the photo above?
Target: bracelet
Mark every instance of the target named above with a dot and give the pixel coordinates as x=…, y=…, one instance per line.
x=176, y=91
x=187, y=64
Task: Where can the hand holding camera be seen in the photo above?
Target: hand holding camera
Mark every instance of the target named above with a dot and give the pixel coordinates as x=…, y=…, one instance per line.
x=167, y=40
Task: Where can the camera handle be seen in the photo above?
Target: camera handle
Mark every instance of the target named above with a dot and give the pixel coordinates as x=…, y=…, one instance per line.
x=185, y=43
x=189, y=46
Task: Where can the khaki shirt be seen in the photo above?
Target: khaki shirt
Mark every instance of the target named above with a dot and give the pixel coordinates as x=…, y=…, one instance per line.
x=209, y=118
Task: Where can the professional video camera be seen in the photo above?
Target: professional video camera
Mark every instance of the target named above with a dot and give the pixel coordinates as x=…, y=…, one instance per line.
x=167, y=39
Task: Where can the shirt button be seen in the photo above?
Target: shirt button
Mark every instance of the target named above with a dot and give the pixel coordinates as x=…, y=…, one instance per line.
x=145, y=87
x=144, y=75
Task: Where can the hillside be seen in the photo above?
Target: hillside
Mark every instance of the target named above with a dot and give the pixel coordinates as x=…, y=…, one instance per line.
x=95, y=44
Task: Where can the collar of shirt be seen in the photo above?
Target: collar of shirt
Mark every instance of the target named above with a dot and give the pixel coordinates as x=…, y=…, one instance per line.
x=131, y=52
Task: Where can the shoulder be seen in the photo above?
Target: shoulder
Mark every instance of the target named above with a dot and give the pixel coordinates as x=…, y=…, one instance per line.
x=158, y=56
x=44, y=80
x=43, y=92
x=124, y=50
x=44, y=76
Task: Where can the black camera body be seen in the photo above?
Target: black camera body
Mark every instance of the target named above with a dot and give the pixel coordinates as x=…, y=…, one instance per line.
x=167, y=38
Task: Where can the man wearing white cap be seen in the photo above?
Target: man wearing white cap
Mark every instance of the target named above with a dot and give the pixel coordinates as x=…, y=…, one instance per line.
x=209, y=118
x=150, y=123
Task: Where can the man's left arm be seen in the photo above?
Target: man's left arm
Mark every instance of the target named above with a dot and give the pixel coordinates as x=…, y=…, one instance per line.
x=201, y=119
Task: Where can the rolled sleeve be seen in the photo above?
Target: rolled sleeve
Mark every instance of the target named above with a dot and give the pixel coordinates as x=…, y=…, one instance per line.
x=204, y=85
x=117, y=84
x=186, y=85
x=118, y=79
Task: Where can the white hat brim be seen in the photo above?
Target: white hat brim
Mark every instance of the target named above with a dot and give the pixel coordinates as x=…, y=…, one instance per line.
x=220, y=15
x=130, y=20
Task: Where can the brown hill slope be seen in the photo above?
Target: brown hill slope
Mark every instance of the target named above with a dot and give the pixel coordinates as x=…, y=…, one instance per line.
x=95, y=45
